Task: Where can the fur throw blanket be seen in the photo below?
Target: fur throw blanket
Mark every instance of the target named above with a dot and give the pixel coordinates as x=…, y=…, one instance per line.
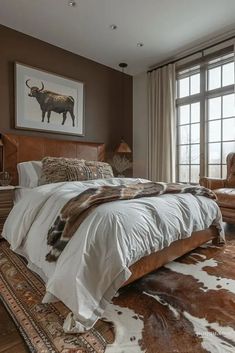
x=76, y=209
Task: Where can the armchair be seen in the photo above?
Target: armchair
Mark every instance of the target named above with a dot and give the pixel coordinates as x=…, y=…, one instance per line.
x=225, y=190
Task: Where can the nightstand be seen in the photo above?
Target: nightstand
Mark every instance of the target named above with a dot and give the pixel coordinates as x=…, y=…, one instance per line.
x=6, y=203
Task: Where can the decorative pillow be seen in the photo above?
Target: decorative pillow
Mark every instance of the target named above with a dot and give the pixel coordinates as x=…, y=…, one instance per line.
x=90, y=170
x=29, y=173
x=54, y=169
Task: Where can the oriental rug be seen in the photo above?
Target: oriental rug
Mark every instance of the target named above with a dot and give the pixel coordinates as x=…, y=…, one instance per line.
x=41, y=324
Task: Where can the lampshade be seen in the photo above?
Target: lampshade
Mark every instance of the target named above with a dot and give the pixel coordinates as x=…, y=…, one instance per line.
x=123, y=148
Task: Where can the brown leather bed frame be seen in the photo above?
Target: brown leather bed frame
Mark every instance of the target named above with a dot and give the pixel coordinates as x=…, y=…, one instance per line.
x=19, y=148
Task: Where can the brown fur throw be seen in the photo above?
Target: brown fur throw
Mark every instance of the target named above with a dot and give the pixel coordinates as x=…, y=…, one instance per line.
x=76, y=209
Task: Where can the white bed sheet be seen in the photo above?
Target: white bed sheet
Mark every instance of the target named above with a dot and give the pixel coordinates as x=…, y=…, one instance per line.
x=20, y=192
x=95, y=262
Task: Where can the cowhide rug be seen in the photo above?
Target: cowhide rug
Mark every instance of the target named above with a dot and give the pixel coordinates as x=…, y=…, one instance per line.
x=188, y=306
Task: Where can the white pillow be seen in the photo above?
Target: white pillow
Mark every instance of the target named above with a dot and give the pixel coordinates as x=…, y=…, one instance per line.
x=29, y=173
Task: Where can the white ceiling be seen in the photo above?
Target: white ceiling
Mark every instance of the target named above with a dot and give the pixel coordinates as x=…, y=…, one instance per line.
x=164, y=26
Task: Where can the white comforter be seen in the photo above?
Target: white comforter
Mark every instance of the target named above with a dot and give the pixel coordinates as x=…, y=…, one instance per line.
x=95, y=262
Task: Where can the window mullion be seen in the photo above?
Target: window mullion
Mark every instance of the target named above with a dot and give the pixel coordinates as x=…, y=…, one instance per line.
x=218, y=92
x=221, y=137
x=203, y=126
x=190, y=141
x=221, y=116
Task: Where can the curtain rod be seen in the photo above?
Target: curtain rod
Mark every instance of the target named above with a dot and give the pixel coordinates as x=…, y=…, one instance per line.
x=193, y=53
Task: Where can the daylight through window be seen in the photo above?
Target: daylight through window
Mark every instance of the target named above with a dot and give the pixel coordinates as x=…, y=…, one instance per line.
x=205, y=118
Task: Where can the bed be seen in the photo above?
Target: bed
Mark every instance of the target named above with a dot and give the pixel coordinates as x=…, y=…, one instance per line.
x=18, y=148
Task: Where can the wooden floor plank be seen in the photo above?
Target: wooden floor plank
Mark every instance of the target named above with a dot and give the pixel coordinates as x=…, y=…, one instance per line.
x=10, y=338
x=17, y=348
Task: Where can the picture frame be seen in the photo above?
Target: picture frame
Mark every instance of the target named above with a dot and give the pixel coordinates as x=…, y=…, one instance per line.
x=48, y=102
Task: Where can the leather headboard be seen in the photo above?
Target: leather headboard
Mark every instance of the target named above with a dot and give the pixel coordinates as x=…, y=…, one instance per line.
x=20, y=148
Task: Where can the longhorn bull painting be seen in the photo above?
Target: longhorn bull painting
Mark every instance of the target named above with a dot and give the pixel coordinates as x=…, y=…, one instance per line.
x=52, y=102
x=48, y=102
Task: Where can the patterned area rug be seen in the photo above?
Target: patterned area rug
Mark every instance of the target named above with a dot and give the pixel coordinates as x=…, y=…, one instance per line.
x=188, y=306
x=41, y=324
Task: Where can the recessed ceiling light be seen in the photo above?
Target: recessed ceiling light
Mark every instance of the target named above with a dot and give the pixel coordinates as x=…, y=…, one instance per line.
x=72, y=3
x=113, y=27
x=140, y=44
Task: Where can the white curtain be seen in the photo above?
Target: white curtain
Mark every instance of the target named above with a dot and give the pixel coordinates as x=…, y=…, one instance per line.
x=161, y=124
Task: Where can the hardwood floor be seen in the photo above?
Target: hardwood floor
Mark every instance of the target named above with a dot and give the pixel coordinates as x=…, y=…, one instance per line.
x=11, y=340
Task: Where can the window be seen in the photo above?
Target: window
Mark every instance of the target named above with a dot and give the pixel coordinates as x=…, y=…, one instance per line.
x=205, y=117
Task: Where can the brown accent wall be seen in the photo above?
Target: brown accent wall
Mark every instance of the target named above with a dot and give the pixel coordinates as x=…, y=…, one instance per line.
x=108, y=93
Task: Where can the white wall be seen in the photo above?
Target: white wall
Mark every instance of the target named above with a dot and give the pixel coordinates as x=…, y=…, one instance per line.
x=140, y=126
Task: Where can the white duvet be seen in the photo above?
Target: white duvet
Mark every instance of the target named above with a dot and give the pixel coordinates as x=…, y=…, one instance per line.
x=95, y=262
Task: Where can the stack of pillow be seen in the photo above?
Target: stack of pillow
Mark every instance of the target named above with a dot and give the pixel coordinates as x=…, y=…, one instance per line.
x=59, y=169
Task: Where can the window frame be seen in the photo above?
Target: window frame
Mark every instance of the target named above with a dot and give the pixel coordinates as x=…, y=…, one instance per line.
x=202, y=66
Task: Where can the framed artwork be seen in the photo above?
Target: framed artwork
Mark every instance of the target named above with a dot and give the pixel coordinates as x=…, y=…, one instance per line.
x=48, y=102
